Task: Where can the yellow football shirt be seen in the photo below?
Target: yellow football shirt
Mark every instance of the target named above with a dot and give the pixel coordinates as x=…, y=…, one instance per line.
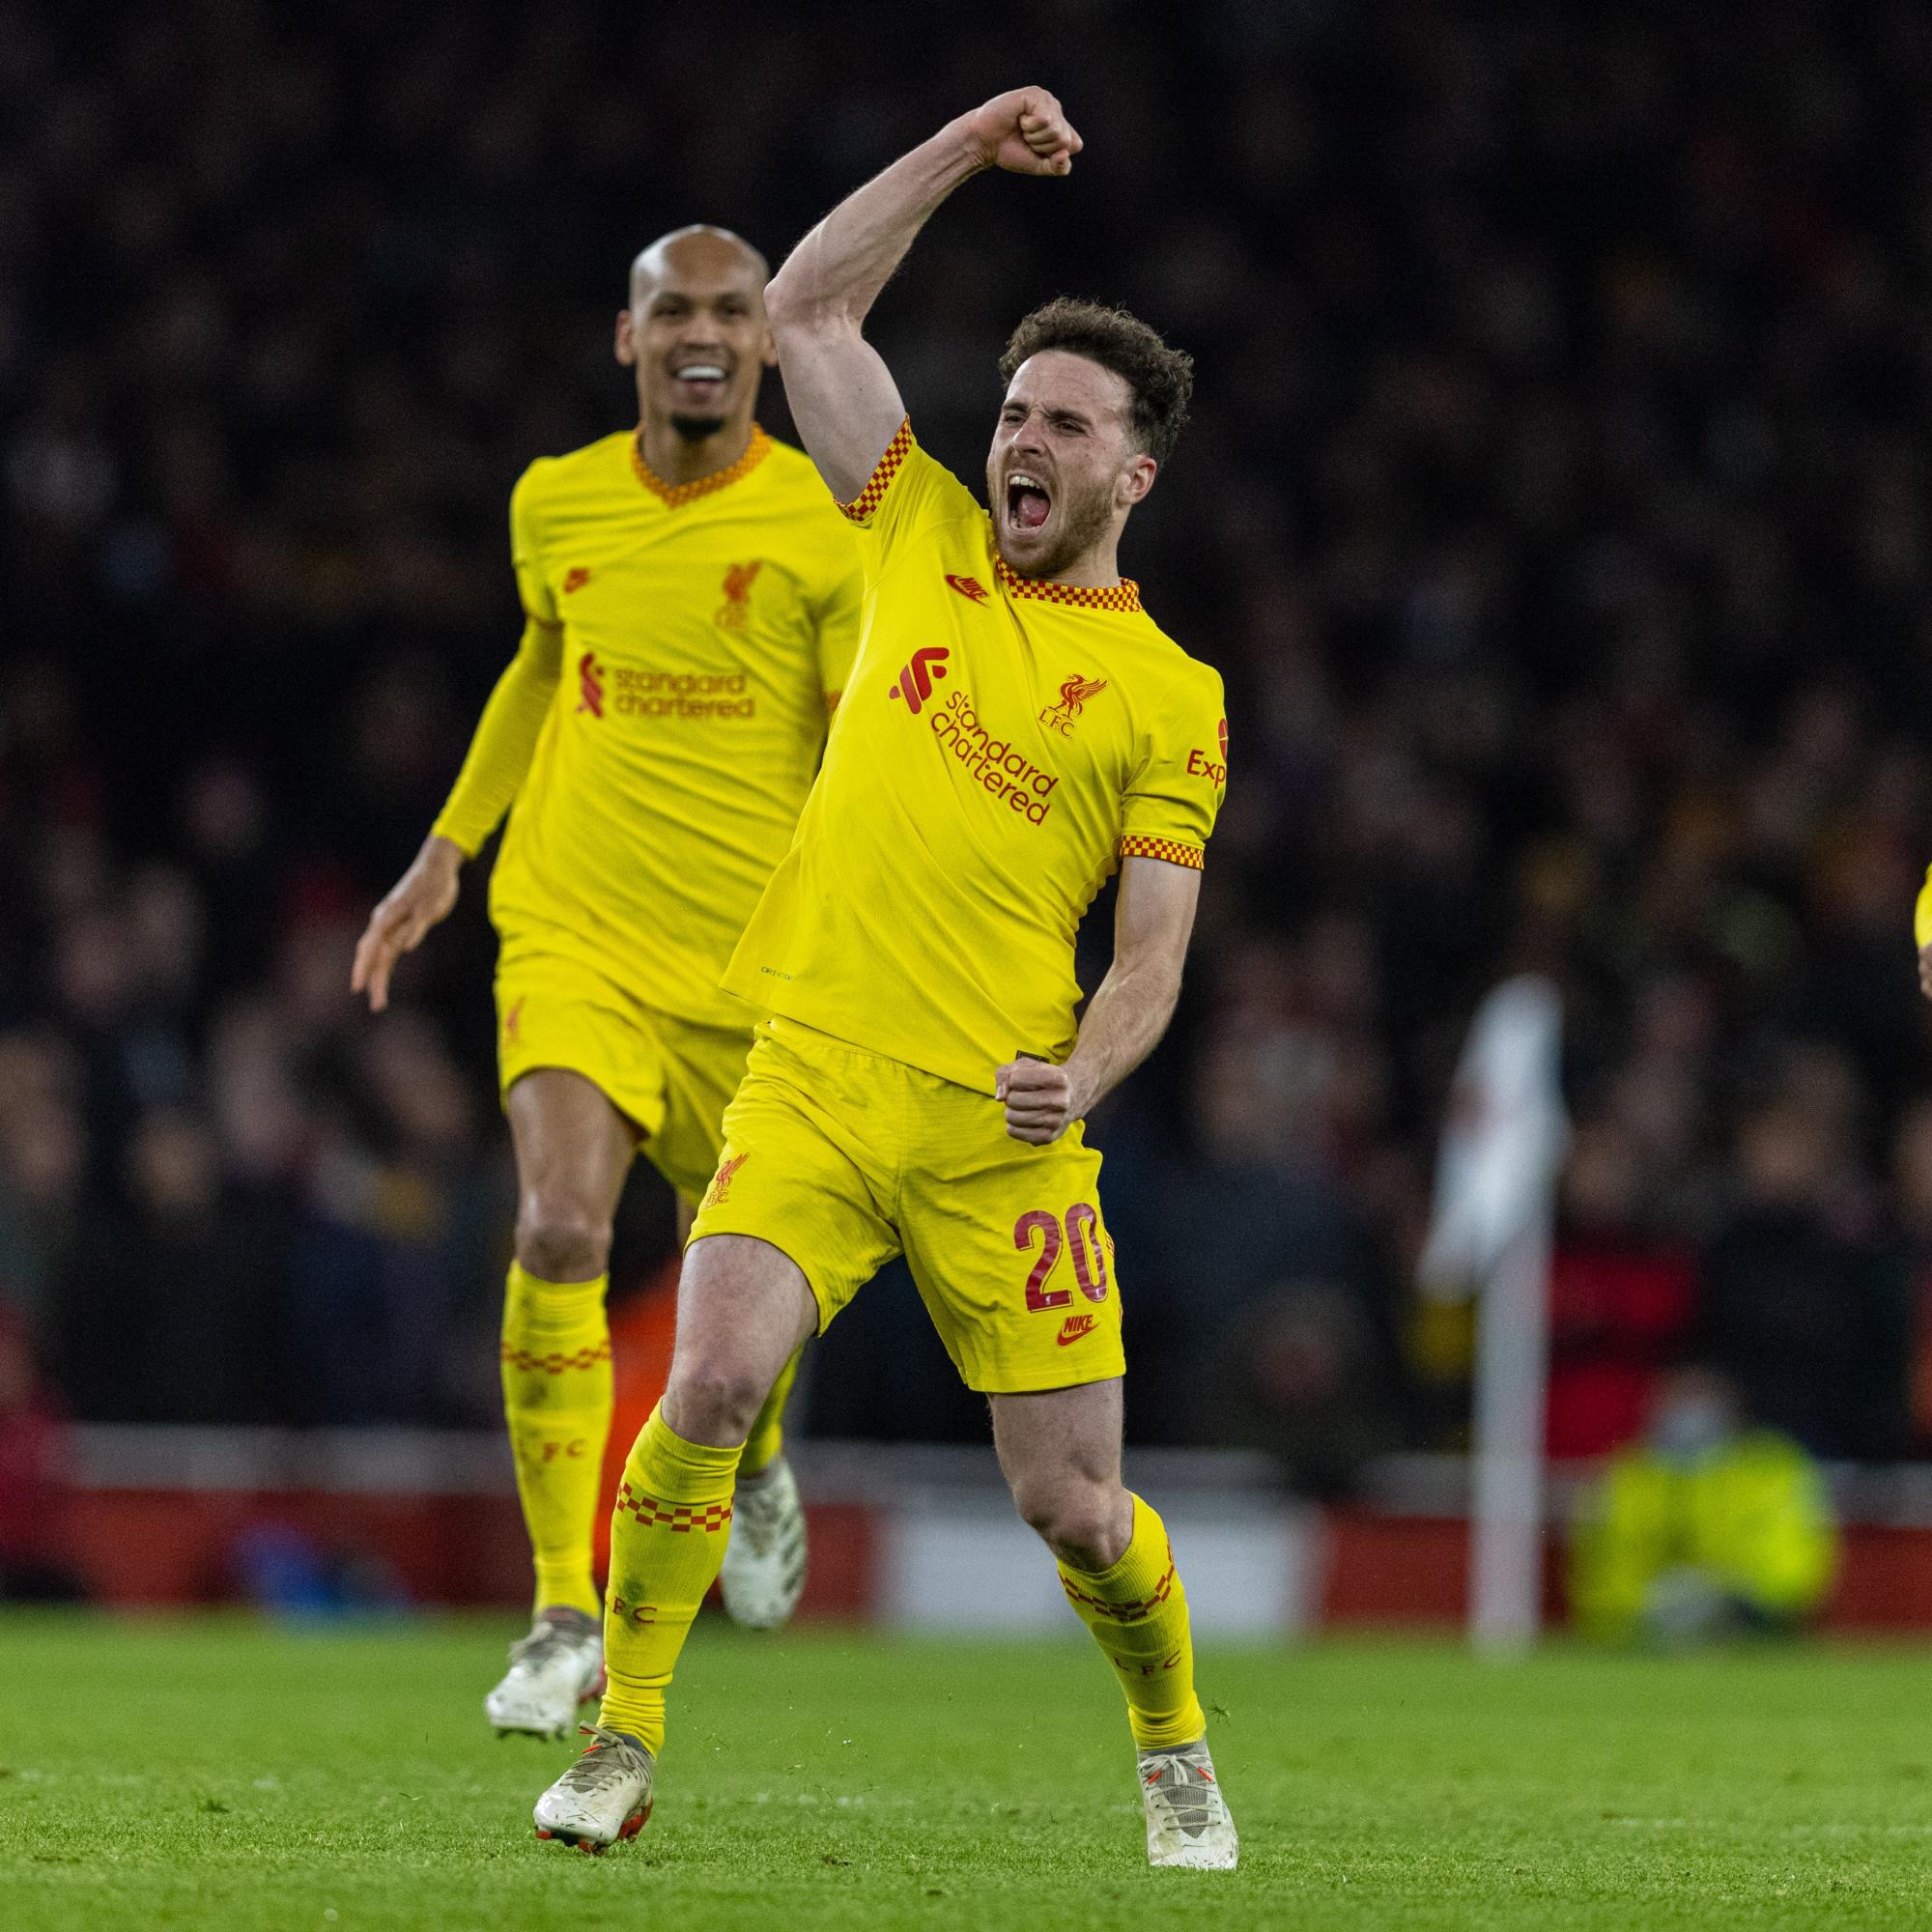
x=706, y=630
x=1002, y=744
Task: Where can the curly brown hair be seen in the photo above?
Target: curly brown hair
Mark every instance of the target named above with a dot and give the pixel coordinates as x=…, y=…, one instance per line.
x=1161, y=378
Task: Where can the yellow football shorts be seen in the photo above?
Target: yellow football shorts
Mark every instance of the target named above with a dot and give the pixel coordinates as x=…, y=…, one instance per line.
x=672, y=1078
x=843, y=1159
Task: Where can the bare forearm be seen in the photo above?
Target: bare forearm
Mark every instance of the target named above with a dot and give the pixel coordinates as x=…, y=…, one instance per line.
x=838, y=270
x=1124, y=1021
x=1126, y=1018
x=843, y=399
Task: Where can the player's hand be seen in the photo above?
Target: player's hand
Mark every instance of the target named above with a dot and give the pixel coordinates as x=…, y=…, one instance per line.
x=1042, y=1100
x=1025, y=132
x=1925, y=970
x=421, y=897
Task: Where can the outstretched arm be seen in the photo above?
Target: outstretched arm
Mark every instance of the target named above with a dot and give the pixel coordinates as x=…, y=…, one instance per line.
x=842, y=396
x=1153, y=920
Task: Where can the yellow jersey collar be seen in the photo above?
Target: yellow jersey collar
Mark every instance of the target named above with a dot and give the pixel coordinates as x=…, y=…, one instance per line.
x=674, y=496
x=1124, y=595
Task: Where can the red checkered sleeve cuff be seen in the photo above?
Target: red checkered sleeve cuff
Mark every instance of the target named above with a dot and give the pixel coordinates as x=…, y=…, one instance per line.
x=1175, y=851
x=860, y=509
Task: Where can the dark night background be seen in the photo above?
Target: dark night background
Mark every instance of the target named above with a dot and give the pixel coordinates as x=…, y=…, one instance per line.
x=1555, y=506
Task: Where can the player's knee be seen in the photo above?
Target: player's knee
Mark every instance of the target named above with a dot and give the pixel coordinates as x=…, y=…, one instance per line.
x=715, y=1399
x=1079, y=1522
x=560, y=1241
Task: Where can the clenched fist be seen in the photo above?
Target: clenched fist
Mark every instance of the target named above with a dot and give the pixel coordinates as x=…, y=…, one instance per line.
x=1025, y=132
x=1042, y=1100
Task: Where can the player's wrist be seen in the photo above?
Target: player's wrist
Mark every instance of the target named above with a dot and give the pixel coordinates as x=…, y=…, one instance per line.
x=971, y=151
x=442, y=852
x=1082, y=1091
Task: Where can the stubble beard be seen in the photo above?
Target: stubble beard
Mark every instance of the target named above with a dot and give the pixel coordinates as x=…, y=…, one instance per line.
x=697, y=429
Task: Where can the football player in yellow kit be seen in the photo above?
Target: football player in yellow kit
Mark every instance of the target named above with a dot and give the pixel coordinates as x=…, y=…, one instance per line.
x=691, y=602
x=1016, y=727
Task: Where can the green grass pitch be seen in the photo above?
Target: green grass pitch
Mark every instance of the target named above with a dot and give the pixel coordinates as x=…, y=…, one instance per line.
x=219, y=1773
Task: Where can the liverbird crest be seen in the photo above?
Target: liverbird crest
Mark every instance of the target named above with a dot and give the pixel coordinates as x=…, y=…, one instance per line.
x=1076, y=691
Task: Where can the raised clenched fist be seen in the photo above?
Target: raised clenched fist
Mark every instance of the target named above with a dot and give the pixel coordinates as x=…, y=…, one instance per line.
x=1024, y=131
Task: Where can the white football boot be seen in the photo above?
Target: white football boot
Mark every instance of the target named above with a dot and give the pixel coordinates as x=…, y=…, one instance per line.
x=1187, y=1819
x=559, y=1667
x=604, y=1797
x=764, y=1562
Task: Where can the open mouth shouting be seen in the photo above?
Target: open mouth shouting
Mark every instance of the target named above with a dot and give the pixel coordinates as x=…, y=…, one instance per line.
x=1029, y=502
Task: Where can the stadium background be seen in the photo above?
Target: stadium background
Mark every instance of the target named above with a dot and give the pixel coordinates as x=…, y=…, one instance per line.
x=1555, y=508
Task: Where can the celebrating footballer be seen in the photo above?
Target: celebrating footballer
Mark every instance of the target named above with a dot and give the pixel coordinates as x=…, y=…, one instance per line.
x=1015, y=729
x=690, y=608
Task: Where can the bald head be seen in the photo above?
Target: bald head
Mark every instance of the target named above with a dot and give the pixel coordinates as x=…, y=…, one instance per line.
x=695, y=334
x=698, y=251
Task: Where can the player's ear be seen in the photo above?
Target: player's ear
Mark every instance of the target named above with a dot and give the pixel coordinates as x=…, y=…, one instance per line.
x=769, y=353
x=626, y=343
x=1137, y=479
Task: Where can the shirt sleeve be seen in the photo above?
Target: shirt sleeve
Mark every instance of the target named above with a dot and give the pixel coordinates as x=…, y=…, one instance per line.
x=906, y=493
x=532, y=585
x=507, y=734
x=1174, y=795
x=506, y=738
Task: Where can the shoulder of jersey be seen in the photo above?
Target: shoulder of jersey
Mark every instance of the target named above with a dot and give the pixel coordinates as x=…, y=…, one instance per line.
x=594, y=467
x=1193, y=680
x=1172, y=658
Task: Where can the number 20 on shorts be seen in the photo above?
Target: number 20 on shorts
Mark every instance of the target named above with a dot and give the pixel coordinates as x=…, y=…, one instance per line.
x=1082, y=1236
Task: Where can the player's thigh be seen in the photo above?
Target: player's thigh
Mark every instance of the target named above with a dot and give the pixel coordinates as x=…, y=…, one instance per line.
x=804, y=1169
x=573, y=1147
x=1007, y=1243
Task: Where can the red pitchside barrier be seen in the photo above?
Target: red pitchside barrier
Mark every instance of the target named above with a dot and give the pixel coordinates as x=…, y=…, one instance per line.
x=158, y=1547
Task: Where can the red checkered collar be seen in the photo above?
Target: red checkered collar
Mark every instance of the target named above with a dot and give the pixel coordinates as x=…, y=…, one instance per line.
x=674, y=496
x=1124, y=595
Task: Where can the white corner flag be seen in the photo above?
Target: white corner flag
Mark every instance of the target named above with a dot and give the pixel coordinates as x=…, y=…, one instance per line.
x=1503, y=1144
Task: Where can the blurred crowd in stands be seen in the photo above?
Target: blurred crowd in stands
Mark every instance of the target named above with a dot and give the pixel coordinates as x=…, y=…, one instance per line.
x=1559, y=507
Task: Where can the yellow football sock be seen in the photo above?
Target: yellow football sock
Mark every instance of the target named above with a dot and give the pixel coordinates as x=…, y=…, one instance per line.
x=1138, y=1613
x=667, y=1536
x=557, y=1396
x=767, y=1438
